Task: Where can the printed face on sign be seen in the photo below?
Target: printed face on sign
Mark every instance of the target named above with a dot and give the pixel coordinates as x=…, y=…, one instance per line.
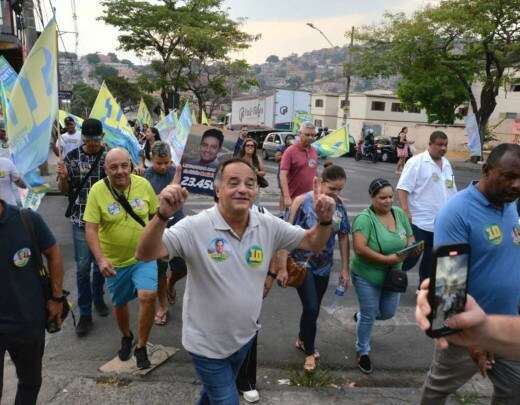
x=219, y=249
x=21, y=257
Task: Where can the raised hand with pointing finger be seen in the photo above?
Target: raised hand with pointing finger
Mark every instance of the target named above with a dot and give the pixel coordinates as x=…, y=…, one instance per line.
x=171, y=199
x=324, y=206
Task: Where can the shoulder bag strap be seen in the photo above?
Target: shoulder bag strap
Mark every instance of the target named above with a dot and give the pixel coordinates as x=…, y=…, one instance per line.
x=73, y=197
x=121, y=199
x=375, y=233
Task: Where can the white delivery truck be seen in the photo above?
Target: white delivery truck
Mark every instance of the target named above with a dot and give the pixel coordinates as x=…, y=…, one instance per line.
x=273, y=110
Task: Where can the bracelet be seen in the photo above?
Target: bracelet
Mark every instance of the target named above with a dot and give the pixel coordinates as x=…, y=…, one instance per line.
x=271, y=274
x=161, y=216
x=326, y=223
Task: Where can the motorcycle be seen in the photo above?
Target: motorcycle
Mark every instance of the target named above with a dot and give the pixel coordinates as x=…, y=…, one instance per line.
x=370, y=152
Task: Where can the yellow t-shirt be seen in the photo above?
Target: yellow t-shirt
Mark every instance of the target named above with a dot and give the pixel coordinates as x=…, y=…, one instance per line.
x=118, y=232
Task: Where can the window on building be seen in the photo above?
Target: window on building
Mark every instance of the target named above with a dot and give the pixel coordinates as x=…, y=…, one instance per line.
x=510, y=115
x=318, y=123
x=414, y=109
x=515, y=87
x=378, y=105
x=342, y=104
x=318, y=103
x=396, y=107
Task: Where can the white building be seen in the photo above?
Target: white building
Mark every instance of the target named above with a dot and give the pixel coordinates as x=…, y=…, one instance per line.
x=324, y=110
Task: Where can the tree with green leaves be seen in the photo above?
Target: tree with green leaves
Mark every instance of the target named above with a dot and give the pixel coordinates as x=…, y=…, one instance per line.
x=103, y=72
x=83, y=98
x=456, y=52
x=173, y=32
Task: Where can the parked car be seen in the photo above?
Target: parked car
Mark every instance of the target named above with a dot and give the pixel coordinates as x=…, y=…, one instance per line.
x=272, y=141
x=388, y=148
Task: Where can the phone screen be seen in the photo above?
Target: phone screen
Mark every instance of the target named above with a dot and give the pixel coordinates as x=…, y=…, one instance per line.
x=451, y=276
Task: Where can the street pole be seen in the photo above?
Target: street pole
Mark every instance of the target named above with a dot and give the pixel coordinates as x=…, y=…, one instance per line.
x=348, y=68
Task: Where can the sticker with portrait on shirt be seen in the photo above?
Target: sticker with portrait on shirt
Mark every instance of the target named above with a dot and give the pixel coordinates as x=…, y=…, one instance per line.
x=516, y=234
x=219, y=249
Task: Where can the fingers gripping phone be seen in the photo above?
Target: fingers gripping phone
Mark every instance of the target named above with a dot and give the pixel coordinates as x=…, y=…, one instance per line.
x=448, y=286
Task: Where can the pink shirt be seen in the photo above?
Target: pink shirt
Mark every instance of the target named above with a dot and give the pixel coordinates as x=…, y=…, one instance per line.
x=302, y=166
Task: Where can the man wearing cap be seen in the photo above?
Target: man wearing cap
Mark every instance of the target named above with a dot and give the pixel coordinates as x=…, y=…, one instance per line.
x=4, y=144
x=81, y=168
x=68, y=141
x=299, y=165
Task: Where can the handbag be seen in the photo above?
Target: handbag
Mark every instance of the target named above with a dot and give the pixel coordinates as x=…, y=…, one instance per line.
x=121, y=199
x=73, y=197
x=262, y=182
x=395, y=280
x=44, y=275
x=296, y=273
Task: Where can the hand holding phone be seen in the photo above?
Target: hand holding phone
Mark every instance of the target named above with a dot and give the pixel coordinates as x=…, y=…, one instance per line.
x=448, y=287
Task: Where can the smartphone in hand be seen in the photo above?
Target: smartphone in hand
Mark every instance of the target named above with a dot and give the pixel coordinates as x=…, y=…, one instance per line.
x=448, y=286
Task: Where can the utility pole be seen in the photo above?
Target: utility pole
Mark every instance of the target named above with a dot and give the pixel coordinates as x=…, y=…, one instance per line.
x=348, y=69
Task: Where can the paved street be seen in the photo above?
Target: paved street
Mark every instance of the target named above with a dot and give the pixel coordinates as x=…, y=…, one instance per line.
x=401, y=354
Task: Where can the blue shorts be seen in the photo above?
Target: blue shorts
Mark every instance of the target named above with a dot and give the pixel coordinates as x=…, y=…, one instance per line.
x=128, y=280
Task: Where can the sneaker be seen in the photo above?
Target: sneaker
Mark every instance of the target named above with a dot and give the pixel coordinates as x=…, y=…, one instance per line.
x=251, y=396
x=101, y=308
x=84, y=325
x=126, y=347
x=364, y=364
x=141, y=358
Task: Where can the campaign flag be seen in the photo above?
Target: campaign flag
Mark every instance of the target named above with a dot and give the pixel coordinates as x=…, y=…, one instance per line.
x=64, y=114
x=118, y=132
x=333, y=145
x=473, y=134
x=299, y=118
x=166, y=127
x=143, y=115
x=8, y=75
x=204, y=119
x=161, y=115
x=181, y=132
x=32, y=107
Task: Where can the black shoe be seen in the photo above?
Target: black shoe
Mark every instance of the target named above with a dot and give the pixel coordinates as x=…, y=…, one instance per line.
x=364, y=364
x=141, y=358
x=126, y=347
x=101, y=308
x=84, y=325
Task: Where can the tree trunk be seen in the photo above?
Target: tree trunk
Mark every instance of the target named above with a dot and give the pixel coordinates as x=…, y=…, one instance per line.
x=487, y=106
x=200, y=102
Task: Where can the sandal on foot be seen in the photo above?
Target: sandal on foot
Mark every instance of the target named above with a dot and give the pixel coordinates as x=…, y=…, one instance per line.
x=299, y=345
x=310, y=364
x=161, y=320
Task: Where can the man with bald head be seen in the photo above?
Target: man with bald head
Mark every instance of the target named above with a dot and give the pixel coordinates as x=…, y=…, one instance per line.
x=117, y=209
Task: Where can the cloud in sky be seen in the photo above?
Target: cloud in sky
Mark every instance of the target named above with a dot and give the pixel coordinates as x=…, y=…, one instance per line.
x=281, y=23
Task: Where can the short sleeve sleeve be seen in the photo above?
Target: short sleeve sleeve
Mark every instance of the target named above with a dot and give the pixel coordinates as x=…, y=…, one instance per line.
x=177, y=239
x=154, y=201
x=92, y=212
x=408, y=176
x=285, y=163
x=362, y=224
x=344, y=226
x=44, y=236
x=450, y=227
x=15, y=176
x=286, y=236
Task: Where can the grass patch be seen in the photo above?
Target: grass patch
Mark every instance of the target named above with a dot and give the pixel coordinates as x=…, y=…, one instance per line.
x=113, y=381
x=317, y=379
x=468, y=398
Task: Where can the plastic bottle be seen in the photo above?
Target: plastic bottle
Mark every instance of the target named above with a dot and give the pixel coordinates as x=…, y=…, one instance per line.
x=338, y=295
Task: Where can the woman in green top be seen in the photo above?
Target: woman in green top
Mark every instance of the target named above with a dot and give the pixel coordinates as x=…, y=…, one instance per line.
x=378, y=232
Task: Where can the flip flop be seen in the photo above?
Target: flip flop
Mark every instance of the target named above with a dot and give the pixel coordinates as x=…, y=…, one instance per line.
x=310, y=364
x=299, y=346
x=161, y=320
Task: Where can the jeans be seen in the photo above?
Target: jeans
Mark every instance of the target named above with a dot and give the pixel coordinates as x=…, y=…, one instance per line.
x=87, y=290
x=246, y=378
x=426, y=263
x=26, y=353
x=218, y=377
x=374, y=304
x=311, y=293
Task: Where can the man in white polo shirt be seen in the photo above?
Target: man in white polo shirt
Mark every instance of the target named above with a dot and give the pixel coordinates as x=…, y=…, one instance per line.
x=425, y=185
x=227, y=250
x=68, y=141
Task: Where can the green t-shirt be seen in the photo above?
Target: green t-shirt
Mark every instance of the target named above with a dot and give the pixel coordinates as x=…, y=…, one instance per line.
x=118, y=232
x=391, y=241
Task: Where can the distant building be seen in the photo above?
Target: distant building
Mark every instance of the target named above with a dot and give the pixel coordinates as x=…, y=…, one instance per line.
x=324, y=110
x=10, y=32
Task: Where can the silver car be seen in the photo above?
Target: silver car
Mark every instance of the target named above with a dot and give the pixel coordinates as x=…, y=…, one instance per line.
x=272, y=141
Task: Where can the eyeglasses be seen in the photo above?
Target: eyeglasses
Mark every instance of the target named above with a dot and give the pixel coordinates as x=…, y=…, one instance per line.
x=250, y=146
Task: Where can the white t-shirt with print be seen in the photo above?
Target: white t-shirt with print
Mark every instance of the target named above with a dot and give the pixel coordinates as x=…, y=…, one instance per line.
x=68, y=142
x=8, y=175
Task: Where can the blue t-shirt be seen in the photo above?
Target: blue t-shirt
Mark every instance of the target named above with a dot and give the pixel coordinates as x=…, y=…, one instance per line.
x=22, y=303
x=160, y=181
x=319, y=263
x=494, y=236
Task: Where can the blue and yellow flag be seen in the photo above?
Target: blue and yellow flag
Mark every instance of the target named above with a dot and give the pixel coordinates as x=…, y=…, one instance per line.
x=8, y=75
x=64, y=114
x=193, y=117
x=166, y=126
x=161, y=116
x=204, y=119
x=143, y=115
x=333, y=145
x=33, y=105
x=181, y=133
x=118, y=132
x=299, y=118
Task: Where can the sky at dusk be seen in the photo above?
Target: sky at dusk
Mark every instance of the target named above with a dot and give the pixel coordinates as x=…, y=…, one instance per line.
x=282, y=24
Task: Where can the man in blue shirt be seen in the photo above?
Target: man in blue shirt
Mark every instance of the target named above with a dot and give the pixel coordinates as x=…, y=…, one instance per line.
x=483, y=215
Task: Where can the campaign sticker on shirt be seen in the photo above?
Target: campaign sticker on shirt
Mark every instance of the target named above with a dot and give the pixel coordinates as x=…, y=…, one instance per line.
x=516, y=234
x=138, y=204
x=312, y=163
x=336, y=219
x=493, y=234
x=21, y=257
x=402, y=233
x=114, y=208
x=449, y=183
x=218, y=249
x=255, y=256
x=3, y=174
x=435, y=177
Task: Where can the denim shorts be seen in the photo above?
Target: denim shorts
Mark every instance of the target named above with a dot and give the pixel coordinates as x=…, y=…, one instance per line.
x=128, y=280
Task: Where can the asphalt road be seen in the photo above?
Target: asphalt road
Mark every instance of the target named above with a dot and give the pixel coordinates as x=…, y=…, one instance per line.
x=401, y=354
